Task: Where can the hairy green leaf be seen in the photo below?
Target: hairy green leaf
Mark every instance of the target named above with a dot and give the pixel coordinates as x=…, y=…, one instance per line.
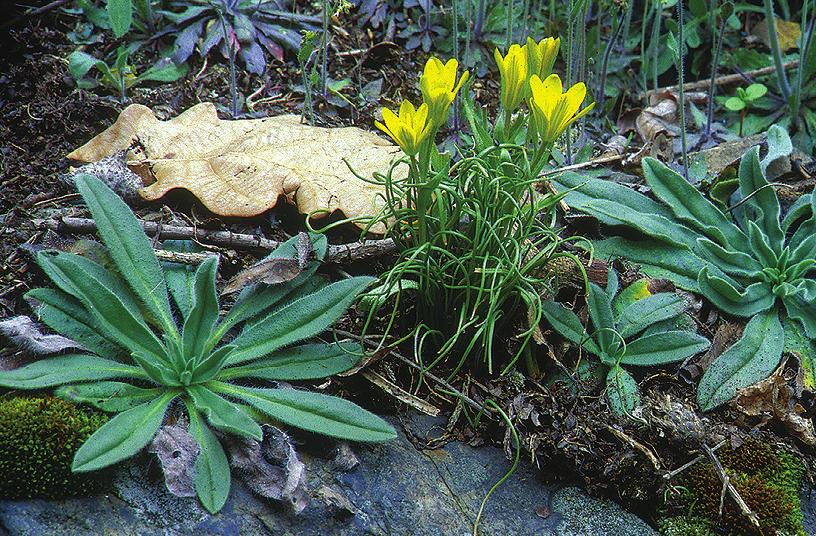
x=129, y=247
x=733, y=263
x=180, y=277
x=223, y=414
x=204, y=314
x=113, y=397
x=664, y=347
x=751, y=359
x=665, y=261
x=122, y=436
x=647, y=311
x=603, y=321
x=621, y=391
x=120, y=14
x=763, y=205
x=755, y=298
x=314, y=412
x=212, y=472
x=569, y=325
x=802, y=306
x=298, y=320
x=64, y=369
x=304, y=362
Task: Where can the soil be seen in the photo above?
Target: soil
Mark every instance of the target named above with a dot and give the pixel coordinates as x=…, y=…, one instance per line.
x=43, y=116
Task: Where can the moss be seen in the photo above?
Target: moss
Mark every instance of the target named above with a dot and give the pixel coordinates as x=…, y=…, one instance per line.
x=768, y=479
x=38, y=439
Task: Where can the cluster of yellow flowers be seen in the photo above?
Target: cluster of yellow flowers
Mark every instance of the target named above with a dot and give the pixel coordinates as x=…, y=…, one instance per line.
x=526, y=75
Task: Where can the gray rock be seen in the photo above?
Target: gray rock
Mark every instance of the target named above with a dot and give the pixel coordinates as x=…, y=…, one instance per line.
x=395, y=489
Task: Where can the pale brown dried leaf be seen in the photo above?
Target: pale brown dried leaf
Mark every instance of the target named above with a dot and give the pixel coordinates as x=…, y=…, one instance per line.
x=241, y=168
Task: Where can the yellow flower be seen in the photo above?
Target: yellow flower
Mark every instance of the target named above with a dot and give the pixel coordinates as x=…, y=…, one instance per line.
x=439, y=88
x=410, y=129
x=513, y=69
x=541, y=56
x=553, y=111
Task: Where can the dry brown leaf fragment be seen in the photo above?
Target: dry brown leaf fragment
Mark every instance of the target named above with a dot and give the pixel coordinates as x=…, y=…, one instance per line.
x=787, y=32
x=241, y=167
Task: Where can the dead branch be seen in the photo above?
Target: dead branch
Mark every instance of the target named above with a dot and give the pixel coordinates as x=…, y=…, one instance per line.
x=729, y=487
x=336, y=253
x=721, y=80
x=635, y=445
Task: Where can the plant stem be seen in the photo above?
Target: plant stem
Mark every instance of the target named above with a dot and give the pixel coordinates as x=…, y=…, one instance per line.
x=509, y=24
x=803, y=53
x=654, y=44
x=781, y=77
x=478, y=24
x=324, y=62
x=605, y=64
x=680, y=47
x=715, y=63
x=233, y=74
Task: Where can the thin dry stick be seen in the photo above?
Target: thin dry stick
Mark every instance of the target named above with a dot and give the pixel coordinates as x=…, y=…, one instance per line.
x=722, y=80
x=442, y=383
x=335, y=254
x=729, y=487
x=698, y=459
x=635, y=445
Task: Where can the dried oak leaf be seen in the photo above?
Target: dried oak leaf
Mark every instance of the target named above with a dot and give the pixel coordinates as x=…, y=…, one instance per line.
x=241, y=168
x=177, y=451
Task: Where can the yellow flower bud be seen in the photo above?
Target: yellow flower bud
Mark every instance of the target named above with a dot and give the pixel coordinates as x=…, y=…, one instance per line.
x=552, y=110
x=541, y=56
x=439, y=88
x=513, y=69
x=409, y=129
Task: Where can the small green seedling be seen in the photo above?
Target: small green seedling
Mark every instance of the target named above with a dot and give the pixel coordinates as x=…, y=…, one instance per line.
x=744, y=98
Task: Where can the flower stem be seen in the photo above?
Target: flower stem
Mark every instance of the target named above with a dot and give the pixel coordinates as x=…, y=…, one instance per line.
x=781, y=77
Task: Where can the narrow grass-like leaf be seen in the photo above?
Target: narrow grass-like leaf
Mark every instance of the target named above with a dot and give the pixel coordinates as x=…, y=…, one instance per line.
x=298, y=320
x=223, y=414
x=755, y=298
x=662, y=348
x=122, y=436
x=72, y=368
x=689, y=205
x=204, y=314
x=212, y=472
x=105, y=305
x=304, y=362
x=65, y=315
x=314, y=412
x=112, y=397
x=751, y=359
x=569, y=325
x=621, y=391
x=647, y=311
x=129, y=247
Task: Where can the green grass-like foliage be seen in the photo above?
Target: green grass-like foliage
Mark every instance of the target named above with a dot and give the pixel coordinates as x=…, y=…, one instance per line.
x=476, y=242
x=129, y=327
x=633, y=327
x=38, y=439
x=749, y=262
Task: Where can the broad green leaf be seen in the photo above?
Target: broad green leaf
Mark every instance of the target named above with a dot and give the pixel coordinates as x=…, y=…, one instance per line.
x=304, y=362
x=569, y=325
x=802, y=306
x=204, y=314
x=805, y=250
x=751, y=359
x=603, y=321
x=647, y=311
x=180, y=277
x=122, y=436
x=65, y=315
x=129, y=246
x=259, y=298
x=689, y=205
x=298, y=320
x=801, y=209
x=635, y=291
x=212, y=472
x=162, y=71
x=314, y=412
x=764, y=203
x=779, y=143
x=112, y=397
x=107, y=308
x=157, y=370
x=223, y=414
x=662, y=348
x=733, y=263
x=79, y=63
x=760, y=246
x=621, y=391
x=804, y=349
x=64, y=369
x=755, y=298
x=678, y=265
x=120, y=14
x=612, y=284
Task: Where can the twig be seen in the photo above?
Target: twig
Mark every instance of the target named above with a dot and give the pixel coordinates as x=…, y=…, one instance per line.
x=722, y=80
x=698, y=459
x=729, y=487
x=591, y=163
x=400, y=393
x=469, y=401
x=335, y=254
x=635, y=445
x=182, y=258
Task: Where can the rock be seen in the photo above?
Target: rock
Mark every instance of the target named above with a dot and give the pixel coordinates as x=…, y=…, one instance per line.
x=395, y=489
